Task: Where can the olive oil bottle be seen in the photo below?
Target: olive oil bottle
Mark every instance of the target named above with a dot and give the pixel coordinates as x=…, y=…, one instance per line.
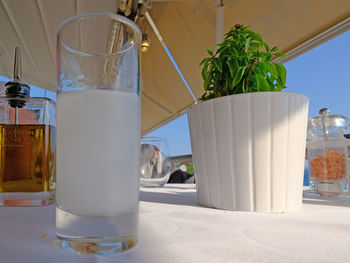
x=27, y=145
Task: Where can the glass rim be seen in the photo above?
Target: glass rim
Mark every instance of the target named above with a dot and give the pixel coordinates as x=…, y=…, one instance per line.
x=113, y=16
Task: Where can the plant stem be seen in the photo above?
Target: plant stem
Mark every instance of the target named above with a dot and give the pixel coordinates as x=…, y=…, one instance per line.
x=249, y=72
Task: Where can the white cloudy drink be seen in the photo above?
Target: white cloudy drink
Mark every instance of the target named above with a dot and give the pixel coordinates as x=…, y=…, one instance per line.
x=97, y=152
x=98, y=133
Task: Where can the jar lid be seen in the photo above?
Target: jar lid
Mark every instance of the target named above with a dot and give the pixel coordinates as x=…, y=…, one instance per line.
x=327, y=124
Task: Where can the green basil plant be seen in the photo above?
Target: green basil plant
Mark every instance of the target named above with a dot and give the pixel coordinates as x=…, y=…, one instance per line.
x=242, y=64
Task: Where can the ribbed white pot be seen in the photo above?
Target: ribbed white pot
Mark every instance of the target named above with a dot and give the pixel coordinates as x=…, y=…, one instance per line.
x=249, y=151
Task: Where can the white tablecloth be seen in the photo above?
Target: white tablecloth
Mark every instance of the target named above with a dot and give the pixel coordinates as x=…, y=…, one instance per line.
x=173, y=228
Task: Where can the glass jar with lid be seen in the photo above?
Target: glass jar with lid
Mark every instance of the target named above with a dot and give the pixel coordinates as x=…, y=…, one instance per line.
x=328, y=153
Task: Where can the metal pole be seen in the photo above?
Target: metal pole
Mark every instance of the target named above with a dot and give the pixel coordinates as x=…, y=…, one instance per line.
x=155, y=29
x=220, y=16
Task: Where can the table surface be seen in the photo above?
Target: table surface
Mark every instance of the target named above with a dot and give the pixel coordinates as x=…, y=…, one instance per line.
x=174, y=228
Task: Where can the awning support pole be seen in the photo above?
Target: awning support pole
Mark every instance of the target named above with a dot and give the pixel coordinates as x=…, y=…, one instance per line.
x=220, y=16
x=155, y=29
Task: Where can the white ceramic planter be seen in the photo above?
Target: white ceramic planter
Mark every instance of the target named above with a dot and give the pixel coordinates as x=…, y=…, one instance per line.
x=249, y=151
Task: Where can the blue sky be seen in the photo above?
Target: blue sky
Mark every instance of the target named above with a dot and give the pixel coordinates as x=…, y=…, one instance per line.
x=322, y=74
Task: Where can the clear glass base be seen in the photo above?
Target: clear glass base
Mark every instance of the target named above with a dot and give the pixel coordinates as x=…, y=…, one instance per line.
x=99, y=246
x=27, y=199
x=154, y=182
x=329, y=187
x=96, y=235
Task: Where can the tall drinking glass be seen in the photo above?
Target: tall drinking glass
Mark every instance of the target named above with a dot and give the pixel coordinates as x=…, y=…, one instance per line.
x=98, y=133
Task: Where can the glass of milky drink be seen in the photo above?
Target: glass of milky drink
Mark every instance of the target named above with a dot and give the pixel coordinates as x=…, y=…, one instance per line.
x=98, y=133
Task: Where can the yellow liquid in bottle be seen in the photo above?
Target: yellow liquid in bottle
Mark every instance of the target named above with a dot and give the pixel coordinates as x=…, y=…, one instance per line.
x=27, y=158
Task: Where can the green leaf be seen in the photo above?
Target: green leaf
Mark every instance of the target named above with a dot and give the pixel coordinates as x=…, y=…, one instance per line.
x=263, y=68
x=204, y=62
x=218, y=64
x=207, y=75
x=204, y=75
x=282, y=73
x=222, y=44
x=210, y=87
x=257, y=81
x=253, y=46
x=238, y=76
x=266, y=46
x=233, y=52
x=221, y=50
x=257, y=70
x=267, y=57
x=247, y=43
x=210, y=96
x=226, y=86
x=274, y=49
x=254, y=35
x=272, y=69
x=233, y=66
x=238, y=89
x=272, y=87
x=280, y=55
x=210, y=52
x=262, y=83
x=205, y=86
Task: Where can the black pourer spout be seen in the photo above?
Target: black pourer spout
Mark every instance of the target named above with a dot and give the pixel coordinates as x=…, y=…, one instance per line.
x=15, y=89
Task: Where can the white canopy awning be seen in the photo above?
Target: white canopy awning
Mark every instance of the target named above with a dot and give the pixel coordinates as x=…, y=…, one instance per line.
x=187, y=28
